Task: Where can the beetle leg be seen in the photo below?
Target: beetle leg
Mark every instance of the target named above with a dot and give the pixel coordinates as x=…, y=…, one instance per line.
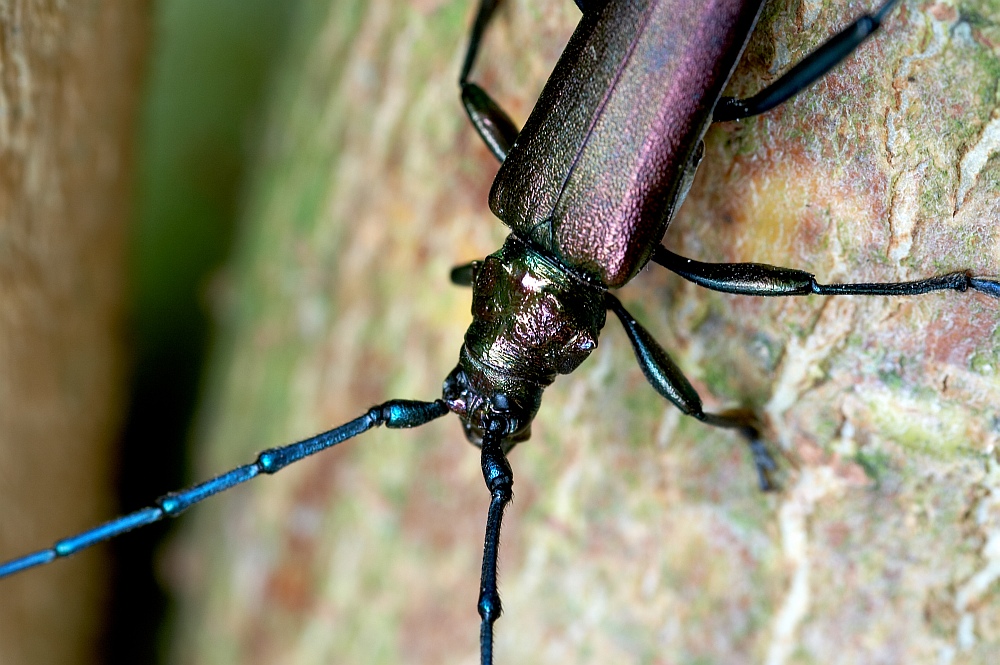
x=495, y=127
x=590, y=5
x=465, y=275
x=808, y=71
x=668, y=380
x=499, y=480
x=758, y=279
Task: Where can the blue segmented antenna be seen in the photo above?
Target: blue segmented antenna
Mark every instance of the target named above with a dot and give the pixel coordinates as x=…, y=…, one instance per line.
x=396, y=413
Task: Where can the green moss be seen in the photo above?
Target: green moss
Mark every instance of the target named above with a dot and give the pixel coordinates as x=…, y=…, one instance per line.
x=986, y=360
x=797, y=329
x=802, y=656
x=718, y=377
x=984, y=363
x=643, y=402
x=876, y=464
x=891, y=377
x=748, y=141
x=921, y=425
x=856, y=341
x=935, y=190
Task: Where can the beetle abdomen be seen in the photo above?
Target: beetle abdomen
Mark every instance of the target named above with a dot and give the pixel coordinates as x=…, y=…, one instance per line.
x=597, y=170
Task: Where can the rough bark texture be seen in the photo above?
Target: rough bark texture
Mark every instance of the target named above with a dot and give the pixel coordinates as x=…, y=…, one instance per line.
x=68, y=92
x=636, y=535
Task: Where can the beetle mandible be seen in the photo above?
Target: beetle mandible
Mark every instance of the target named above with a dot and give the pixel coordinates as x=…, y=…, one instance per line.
x=508, y=404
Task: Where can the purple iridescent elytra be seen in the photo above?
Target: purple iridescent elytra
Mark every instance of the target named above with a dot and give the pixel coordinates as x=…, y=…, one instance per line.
x=602, y=161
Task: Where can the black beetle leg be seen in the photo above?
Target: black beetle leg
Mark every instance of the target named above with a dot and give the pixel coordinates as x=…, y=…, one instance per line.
x=668, y=380
x=758, y=279
x=495, y=127
x=811, y=69
x=465, y=275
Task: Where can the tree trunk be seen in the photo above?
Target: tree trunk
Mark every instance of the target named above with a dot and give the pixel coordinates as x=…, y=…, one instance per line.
x=69, y=80
x=636, y=535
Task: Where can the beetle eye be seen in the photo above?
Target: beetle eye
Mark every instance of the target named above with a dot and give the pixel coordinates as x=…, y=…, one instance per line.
x=500, y=402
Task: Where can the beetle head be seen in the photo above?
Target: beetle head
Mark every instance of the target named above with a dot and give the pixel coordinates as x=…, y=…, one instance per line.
x=481, y=401
x=532, y=320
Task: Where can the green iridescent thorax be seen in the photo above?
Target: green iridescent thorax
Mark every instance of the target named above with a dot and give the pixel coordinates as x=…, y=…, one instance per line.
x=532, y=320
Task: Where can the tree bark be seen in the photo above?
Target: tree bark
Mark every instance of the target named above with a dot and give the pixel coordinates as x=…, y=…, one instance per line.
x=636, y=535
x=69, y=83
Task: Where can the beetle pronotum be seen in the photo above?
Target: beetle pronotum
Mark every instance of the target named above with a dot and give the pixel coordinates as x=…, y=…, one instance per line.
x=826, y=468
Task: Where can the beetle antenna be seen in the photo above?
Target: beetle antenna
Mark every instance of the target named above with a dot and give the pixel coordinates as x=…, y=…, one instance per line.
x=394, y=414
x=499, y=480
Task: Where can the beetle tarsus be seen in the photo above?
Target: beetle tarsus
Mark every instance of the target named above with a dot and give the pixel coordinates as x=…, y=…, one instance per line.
x=765, y=465
x=809, y=70
x=668, y=380
x=747, y=423
x=990, y=287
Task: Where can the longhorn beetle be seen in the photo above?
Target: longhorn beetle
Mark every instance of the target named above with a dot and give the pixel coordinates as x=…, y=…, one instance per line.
x=588, y=187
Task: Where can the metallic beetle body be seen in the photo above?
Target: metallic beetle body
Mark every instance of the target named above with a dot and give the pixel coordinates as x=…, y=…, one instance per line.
x=588, y=189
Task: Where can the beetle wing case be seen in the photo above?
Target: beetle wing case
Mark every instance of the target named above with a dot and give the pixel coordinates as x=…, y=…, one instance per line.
x=598, y=168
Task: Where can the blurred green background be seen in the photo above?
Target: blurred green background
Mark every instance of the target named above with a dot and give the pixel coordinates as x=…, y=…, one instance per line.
x=207, y=80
